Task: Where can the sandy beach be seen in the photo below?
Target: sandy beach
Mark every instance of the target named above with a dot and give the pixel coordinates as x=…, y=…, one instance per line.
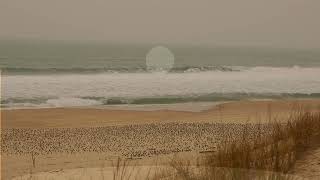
x=60, y=136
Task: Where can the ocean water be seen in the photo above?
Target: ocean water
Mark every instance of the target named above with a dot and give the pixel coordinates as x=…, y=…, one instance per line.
x=59, y=74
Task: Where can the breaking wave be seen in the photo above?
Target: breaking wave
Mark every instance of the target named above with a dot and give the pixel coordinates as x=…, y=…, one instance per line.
x=191, y=85
x=184, y=69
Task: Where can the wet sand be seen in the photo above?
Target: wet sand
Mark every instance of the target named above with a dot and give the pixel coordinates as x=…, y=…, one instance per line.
x=233, y=112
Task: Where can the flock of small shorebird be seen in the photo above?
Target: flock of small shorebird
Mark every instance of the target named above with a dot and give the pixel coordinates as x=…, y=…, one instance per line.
x=131, y=141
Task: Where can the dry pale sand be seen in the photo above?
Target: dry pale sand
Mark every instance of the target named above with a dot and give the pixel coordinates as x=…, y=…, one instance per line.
x=308, y=163
x=233, y=112
x=21, y=165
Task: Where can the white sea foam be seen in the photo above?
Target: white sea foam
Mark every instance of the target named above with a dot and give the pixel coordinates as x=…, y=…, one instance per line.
x=68, y=87
x=63, y=102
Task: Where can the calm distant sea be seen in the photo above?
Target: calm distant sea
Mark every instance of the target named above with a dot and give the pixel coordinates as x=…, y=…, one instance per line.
x=58, y=74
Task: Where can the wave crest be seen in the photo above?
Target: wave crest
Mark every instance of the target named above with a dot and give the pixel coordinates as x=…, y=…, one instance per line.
x=183, y=69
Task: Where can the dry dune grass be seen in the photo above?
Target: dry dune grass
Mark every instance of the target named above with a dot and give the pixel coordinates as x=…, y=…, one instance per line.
x=274, y=152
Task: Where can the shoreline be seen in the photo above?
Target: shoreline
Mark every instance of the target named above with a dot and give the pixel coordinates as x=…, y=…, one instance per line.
x=181, y=106
x=192, y=105
x=229, y=112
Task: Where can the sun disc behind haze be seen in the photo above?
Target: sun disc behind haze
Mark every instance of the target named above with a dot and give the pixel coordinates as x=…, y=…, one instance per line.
x=159, y=58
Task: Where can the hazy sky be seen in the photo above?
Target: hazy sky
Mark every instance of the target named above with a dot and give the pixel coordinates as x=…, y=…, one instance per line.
x=284, y=23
